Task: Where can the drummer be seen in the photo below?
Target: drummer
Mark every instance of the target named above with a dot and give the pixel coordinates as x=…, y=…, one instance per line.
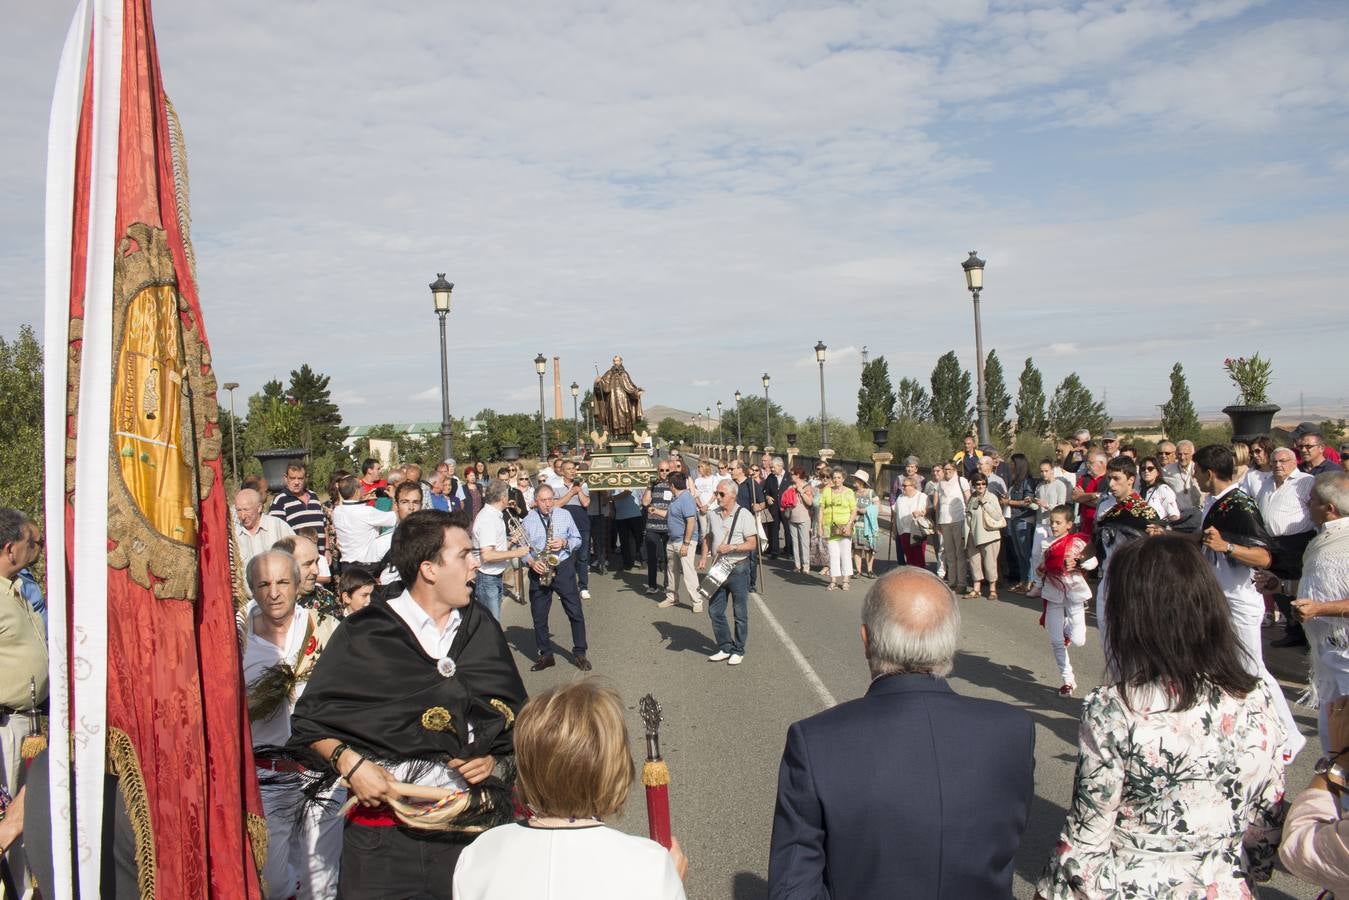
x=735, y=535
x=453, y=729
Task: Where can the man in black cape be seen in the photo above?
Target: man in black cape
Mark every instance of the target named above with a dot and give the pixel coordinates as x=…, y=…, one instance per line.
x=419, y=688
x=1121, y=518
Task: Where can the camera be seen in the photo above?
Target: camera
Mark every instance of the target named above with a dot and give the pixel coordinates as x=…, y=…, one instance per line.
x=576, y=480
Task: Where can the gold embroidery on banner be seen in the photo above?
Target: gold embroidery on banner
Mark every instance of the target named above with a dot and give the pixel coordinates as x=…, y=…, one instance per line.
x=257, y=839
x=125, y=764
x=164, y=414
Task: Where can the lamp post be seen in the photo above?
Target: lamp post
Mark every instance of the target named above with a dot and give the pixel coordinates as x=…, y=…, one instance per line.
x=864, y=356
x=738, y=439
x=720, y=437
x=820, y=350
x=234, y=427
x=767, y=412
x=440, y=293
x=576, y=412
x=541, y=366
x=974, y=280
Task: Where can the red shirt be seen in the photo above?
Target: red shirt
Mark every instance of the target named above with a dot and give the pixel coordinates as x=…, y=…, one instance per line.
x=1091, y=486
x=368, y=486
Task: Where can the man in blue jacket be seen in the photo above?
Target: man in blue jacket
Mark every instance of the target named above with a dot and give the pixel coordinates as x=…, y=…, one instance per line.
x=912, y=790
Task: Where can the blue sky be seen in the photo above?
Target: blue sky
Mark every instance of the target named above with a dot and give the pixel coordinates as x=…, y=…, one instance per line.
x=710, y=188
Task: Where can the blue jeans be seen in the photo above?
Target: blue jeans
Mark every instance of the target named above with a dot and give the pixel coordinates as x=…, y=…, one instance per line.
x=1022, y=529
x=736, y=586
x=487, y=592
x=582, y=554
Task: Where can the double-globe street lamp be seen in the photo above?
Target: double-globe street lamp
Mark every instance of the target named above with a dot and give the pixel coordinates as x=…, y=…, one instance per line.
x=820, y=350
x=974, y=280
x=541, y=366
x=440, y=294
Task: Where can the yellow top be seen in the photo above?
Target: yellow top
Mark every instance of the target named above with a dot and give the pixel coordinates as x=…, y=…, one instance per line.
x=23, y=649
x=836, y=507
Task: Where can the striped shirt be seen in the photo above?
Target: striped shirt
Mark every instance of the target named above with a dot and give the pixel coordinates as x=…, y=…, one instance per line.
x=302, y=513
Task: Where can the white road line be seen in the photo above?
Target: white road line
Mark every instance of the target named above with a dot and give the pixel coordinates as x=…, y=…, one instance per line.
x=811, y=676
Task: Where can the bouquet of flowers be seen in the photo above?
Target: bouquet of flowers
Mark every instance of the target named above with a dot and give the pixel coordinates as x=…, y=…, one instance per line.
x=1251, y=377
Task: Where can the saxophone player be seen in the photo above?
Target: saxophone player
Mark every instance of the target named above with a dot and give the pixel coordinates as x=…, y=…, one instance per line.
x=492, y=540
x=551, y=531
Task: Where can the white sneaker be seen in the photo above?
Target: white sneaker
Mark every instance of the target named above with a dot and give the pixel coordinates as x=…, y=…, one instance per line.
x=585, y=595
x=698, y=607
x=653, y=590
x=735, y=660
x=719, y=656
x=666, y=603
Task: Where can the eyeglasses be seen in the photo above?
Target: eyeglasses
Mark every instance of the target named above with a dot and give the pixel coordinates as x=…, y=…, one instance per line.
x=1168, y=453
x=1307, y=448
x=1149, y=468
x=721, y=493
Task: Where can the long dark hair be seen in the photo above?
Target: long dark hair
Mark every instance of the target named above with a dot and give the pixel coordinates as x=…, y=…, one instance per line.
x=1020, y=469
x=1167, y=623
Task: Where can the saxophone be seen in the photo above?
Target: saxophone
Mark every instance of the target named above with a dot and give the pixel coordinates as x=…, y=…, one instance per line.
x=550, y=559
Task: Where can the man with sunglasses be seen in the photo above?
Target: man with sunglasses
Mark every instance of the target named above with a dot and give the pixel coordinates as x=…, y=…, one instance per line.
x=734, y=538
x=1312, y=450
x=656, y=502
x=750, y=495
x=1285, y=503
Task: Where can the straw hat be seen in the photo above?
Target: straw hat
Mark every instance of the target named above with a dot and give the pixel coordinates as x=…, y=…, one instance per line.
x=862, y=474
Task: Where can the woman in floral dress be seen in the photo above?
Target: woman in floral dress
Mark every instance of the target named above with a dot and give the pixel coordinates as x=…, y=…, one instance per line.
x=1179, y=780
x=865, y=526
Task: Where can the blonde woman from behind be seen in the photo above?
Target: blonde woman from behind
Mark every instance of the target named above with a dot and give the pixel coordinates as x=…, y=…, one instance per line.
x=575, y=770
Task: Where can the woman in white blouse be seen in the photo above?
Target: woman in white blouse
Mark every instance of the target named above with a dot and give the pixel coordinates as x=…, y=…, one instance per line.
x=911, y=522
x=574, y=771
x=1156, y=492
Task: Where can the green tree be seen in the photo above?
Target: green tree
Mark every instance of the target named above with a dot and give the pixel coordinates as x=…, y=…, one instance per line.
x=21, y=422
x=925, y=440
x=846, y=440
x=752, y=423
x=999, y=401
x=951, y=396
x=875, y=398
x=913, y=401
x=1030, y=401
x=1073, y=408
x=674, y=431
x=1179, y=420
x=321, y=417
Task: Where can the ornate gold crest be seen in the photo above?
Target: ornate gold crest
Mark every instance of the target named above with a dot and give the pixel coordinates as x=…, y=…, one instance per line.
x=501, y=707
x=164, y=414
x=437, y=718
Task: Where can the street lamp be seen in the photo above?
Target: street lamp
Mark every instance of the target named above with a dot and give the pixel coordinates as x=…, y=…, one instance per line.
x=576, y=411
x=767, y=415
x=541, y=366
x=738, y=440
x=974, y=280
x=234, y=427
x=820, y=349
x=720, y=438
x=440, y=293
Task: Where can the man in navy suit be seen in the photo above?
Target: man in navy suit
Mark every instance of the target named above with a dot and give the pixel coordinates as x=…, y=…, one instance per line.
x=912, y=790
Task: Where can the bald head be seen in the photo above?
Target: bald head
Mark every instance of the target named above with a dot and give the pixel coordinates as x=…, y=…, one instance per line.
x=248, y=507
x=911, y=623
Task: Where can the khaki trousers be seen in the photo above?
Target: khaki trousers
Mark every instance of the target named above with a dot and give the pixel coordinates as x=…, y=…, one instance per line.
x=683, y=573
x=984, y=563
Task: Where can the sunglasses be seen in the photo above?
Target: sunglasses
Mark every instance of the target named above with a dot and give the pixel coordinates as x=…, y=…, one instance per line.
x=1307, y=448
x=1149, y=468
x=721, y=493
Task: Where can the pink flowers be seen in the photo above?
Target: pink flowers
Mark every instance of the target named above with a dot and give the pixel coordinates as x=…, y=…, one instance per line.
x=1227, y=725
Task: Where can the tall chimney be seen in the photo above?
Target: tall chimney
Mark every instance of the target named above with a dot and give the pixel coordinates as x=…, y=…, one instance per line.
x=557, y=389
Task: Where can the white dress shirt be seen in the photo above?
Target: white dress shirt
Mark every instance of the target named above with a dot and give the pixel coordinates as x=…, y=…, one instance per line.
x=261, y=654
x=270, y=530
x=1248, y=605
x=436, y=643
x=357, y=527
x=1286, y=507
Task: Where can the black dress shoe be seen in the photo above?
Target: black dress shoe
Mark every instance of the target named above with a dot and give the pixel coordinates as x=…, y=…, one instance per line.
x=582, y=663
x=544, y=662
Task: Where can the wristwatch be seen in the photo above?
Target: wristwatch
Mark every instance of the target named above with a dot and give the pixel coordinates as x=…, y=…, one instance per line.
x=1333, y=770
x=1229, y=550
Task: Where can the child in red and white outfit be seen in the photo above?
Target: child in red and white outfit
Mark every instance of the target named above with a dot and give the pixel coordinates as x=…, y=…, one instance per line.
x=1065, y=592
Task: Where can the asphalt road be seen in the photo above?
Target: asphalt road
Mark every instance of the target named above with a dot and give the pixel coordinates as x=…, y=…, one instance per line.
x=724, y=727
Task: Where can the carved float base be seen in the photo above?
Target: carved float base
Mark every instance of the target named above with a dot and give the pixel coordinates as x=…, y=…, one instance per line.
x=622, y=466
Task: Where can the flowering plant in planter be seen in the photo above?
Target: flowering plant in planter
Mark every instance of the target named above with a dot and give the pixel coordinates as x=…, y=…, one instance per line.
x=1251, y=377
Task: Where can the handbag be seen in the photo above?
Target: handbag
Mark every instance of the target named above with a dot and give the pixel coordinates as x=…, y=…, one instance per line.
x=922, y=526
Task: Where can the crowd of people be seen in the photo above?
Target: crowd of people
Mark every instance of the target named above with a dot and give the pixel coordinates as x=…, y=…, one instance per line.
x=391, y=726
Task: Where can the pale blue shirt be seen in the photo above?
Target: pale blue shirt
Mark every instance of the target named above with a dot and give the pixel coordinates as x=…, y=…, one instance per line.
x=564, y=526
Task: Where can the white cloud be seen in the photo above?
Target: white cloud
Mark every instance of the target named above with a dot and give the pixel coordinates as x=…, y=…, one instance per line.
x=759, y=177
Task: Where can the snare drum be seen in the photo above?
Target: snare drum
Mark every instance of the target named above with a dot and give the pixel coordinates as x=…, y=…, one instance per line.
x=715, y=577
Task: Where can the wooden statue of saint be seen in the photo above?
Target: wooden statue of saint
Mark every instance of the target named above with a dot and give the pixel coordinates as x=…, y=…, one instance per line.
x=618, y=402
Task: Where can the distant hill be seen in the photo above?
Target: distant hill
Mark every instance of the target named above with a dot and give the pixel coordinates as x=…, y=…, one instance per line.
x=654, y=414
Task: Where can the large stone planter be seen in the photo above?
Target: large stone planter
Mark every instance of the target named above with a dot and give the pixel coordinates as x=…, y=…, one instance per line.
x=274, y=464
x=510, y=452
x=1250, y=422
